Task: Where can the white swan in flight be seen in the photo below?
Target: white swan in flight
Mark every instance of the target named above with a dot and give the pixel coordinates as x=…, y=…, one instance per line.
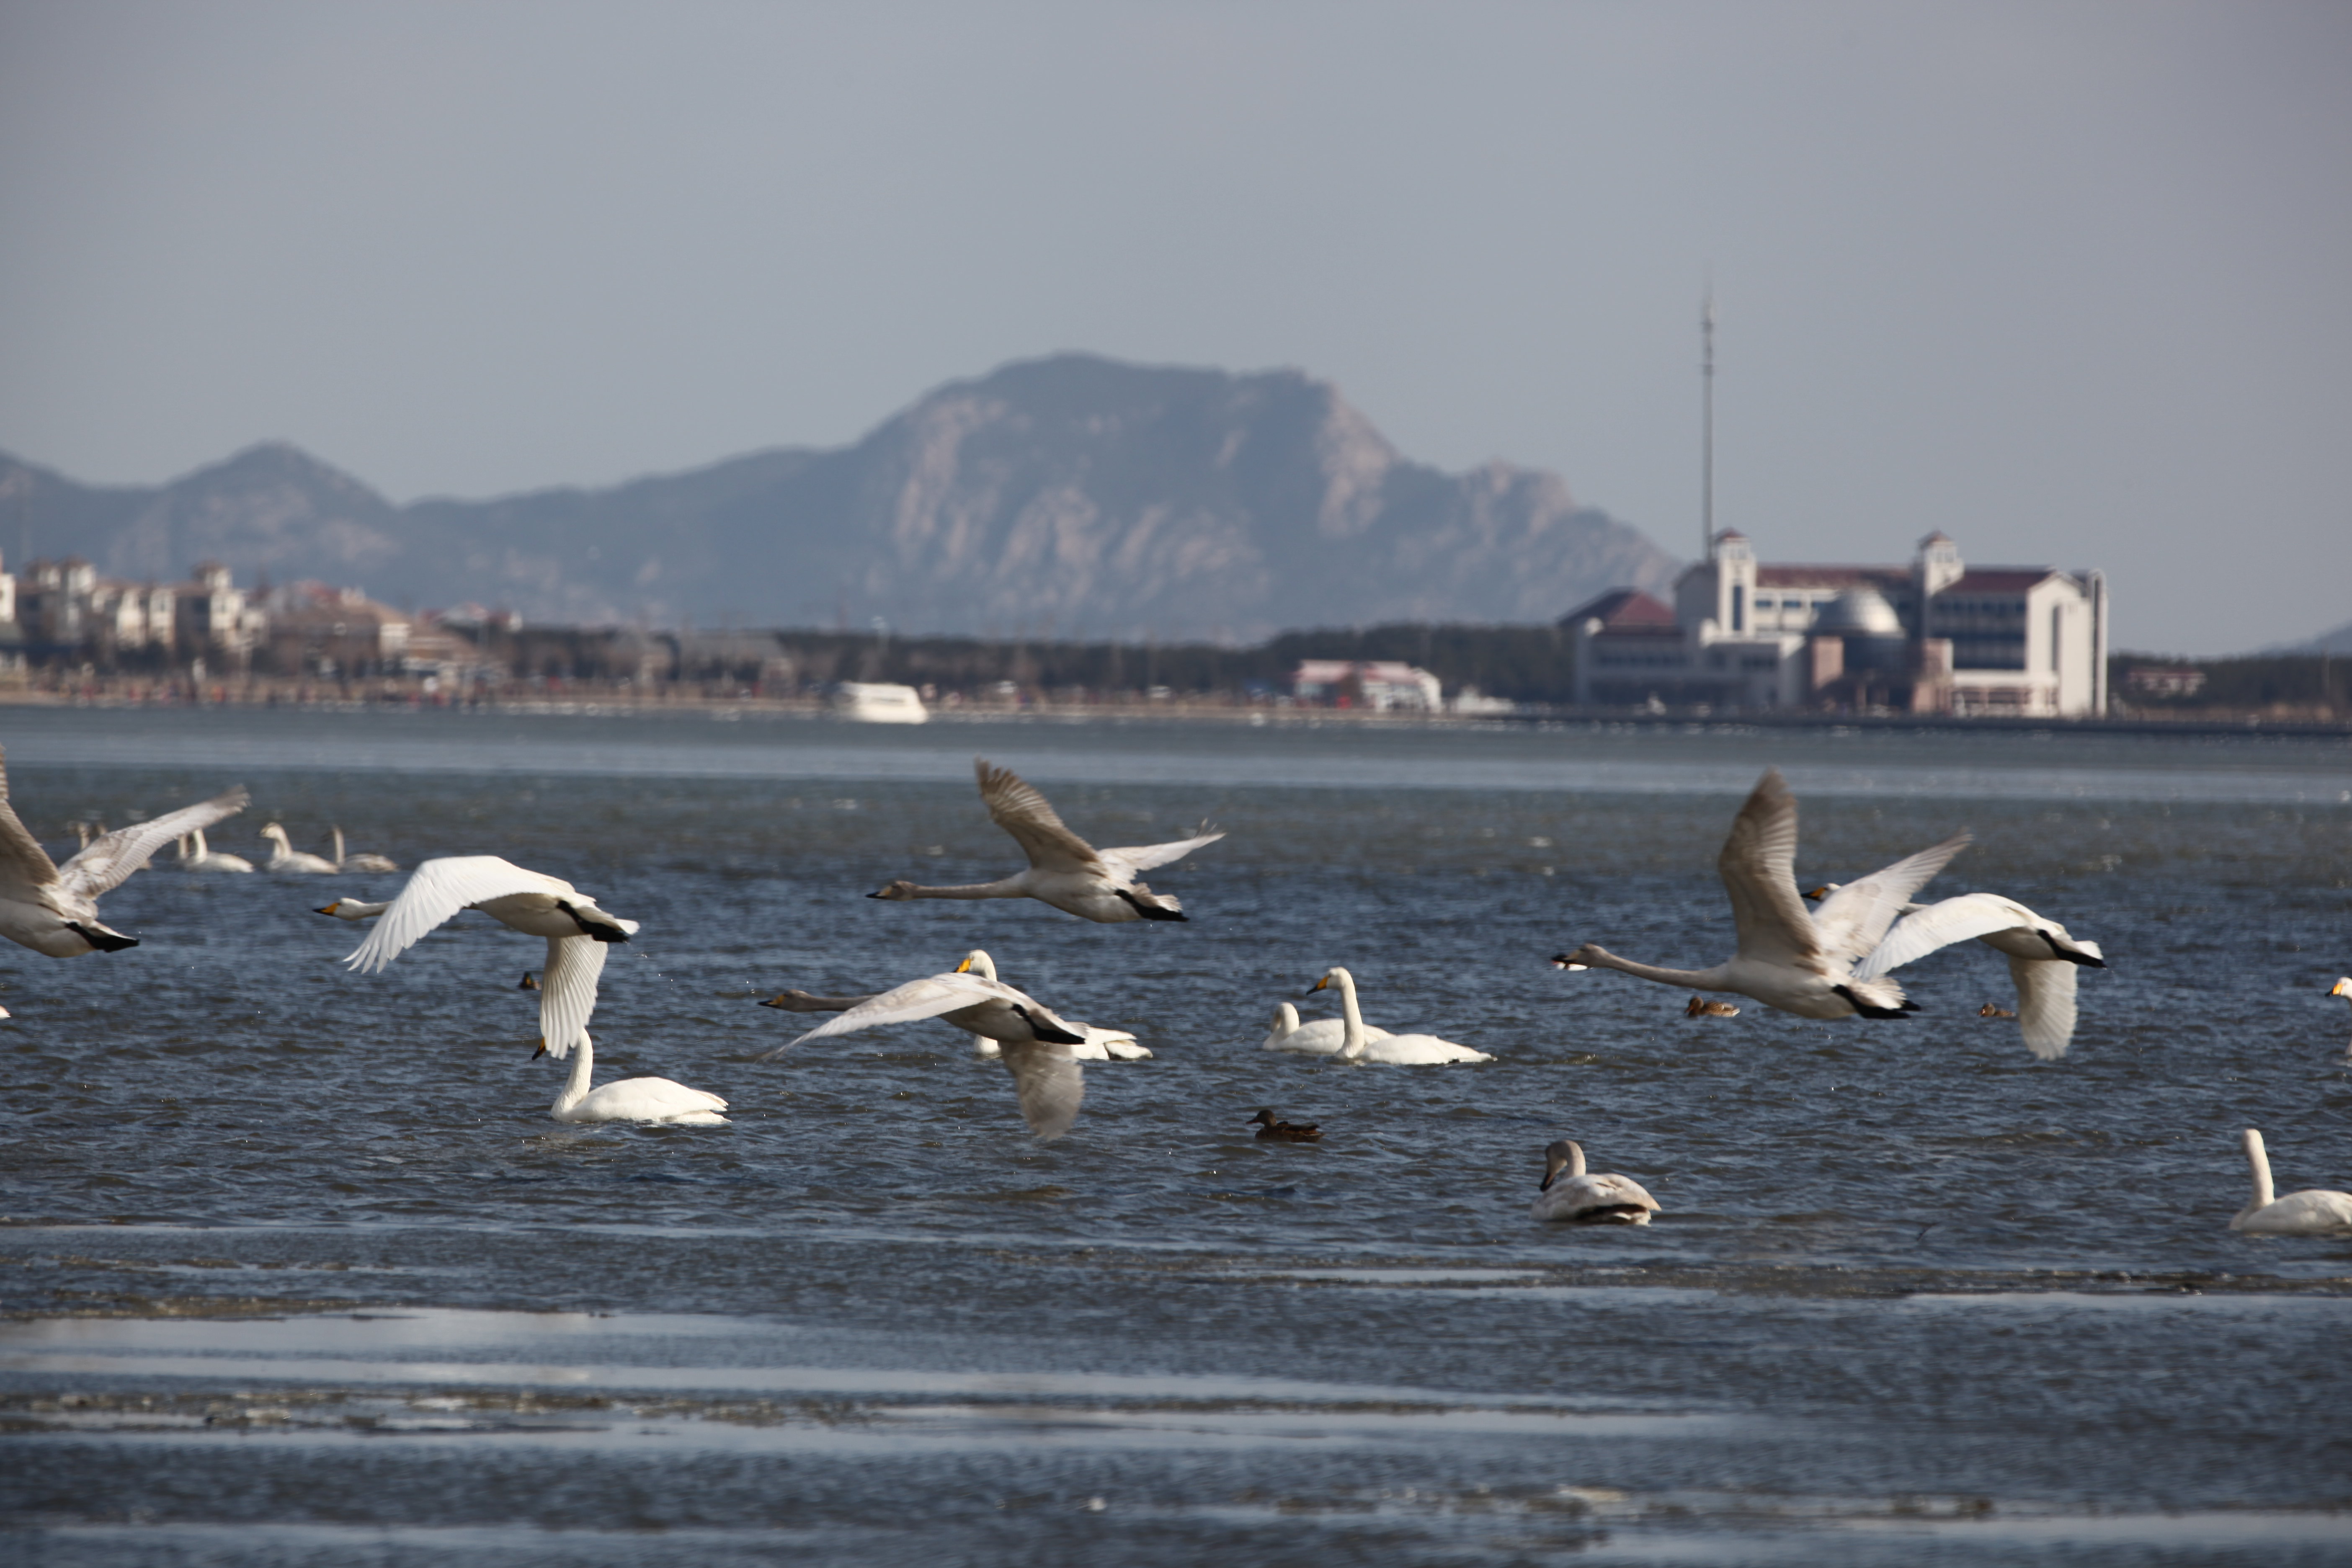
x=1064, y=870
x=1567, y=1194
x=1316, y=1037
x=2042, y=957
x=1357, y=1043
x=2313, y=1212
x=532, y=902
x=286, y=860
x=54, y=909
x=1786, y=958
x=1034, y=1042
x=361, y=862
x=1099, y=1045
x=196, y=855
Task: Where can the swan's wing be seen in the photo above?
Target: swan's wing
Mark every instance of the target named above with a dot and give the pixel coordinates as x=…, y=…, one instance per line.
x=925, y=998
x=1758, y=867
x=1144, y=858
x=23, y=862
x=109, y=861
x=2045, y=1004
x=1017, y=807
x=567, y=994
x=1050, y=1083
x=1852, y=921
x=436, y=891
x=1922, y=931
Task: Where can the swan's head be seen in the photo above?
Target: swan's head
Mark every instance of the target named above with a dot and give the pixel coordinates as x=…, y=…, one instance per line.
x=530, y=982
x=1582, y=958
x=901, y=888
x=1331, y=977
x=2251, y=1143
x=274, y=832
x=977, y=962
x=2342, y=988
x=1815, y=895
x=1565, y=1157
x=347, y=909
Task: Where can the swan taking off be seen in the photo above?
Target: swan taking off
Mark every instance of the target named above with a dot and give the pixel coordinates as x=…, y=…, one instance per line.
x=1064, y=870
x=1567, y=1194
x=196, y=855
x=54, y=911
x=286, y=860
x=2042, y=957
x=629, y=1099
x=1396, y=1050
x=1786, y=958
x=527, y=901
x=1316, y=1038
x=2313, y=1212
x=1035, y=1044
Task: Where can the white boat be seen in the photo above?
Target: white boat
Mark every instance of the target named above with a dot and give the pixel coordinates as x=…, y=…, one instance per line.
x=875, y=702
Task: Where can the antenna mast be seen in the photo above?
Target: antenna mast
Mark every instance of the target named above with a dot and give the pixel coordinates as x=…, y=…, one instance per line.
x=1707, y=425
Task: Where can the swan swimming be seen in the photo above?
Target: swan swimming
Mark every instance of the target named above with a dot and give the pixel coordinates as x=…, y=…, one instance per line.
x=204, y=858
x=359, y=862
x=1786, y=958
x=2342, y=987
x=53, y=909
x=1396, y=1050
x=2042, y=957
x=1567, y=1194
x=1035, y=1044
x=1316, y=1037
x=531, y=902
x=629, y=1099
x=1064, y=870
x=2313, y=1212
x=287, y=860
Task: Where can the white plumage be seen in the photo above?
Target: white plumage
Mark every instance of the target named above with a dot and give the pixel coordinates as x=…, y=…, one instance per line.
x=2042, y=957
x=1569, y=1195
x=1394, y=1050
x=2313, y=1212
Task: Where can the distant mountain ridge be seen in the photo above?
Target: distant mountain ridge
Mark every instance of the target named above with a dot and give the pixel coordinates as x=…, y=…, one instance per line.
x=1072, y=496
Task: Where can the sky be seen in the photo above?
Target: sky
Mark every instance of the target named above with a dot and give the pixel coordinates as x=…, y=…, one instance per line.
x=2070, y=281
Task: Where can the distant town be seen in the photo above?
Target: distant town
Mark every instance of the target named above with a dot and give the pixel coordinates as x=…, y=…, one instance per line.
x=1933, y=638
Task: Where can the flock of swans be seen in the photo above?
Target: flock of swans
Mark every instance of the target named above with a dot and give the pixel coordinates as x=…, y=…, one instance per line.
x=1831, y=961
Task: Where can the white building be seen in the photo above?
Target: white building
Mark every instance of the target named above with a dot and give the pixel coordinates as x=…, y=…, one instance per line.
x=1385, y=684
x=1937, y=637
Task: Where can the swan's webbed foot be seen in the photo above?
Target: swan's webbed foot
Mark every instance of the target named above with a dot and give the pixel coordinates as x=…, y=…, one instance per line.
x=99, y=937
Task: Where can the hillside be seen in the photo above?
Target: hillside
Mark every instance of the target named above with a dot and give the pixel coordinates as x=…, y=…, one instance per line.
x=1073, y=497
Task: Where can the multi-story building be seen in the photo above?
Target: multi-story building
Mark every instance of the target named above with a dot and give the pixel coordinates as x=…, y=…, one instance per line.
x=1937, y=637
x=64, y=609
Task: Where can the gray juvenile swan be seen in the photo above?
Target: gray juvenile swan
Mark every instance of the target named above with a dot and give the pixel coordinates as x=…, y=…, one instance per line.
x=1064, y=870
x=53, y=909
x=1786, y=958
x=1034, y=1042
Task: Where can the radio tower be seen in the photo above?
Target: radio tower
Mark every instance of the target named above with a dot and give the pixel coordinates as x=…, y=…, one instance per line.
x=1707, y=425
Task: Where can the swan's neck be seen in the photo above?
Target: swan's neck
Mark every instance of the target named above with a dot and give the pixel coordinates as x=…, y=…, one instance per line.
x=2260, y=1161
x=575, y=1087
x=338, y=845
x=1286, y=1018
x=1696, y=979
x=981, y=964
x=1003, y=888
x=1352, y=1019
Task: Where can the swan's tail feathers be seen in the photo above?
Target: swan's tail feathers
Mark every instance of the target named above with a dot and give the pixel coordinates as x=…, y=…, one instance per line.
x=1151, y=906
x=1877, y=998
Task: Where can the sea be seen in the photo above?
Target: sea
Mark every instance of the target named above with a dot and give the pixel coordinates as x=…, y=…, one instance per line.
x=296, y=1269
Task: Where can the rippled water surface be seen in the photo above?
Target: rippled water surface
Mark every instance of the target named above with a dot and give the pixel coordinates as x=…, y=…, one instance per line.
x=298, y=1270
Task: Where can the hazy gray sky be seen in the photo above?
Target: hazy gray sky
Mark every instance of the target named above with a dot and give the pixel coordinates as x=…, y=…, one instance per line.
x=2072, y=282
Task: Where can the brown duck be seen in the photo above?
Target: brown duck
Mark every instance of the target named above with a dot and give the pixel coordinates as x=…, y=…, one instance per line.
x=1700, y=1007
x=1269, y=1126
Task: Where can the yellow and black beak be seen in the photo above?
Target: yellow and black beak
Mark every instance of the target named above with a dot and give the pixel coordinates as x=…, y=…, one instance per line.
x=1319, y=985
x=964, y=968
x=542, y=1049
x=1816, y=894
x=330, y=909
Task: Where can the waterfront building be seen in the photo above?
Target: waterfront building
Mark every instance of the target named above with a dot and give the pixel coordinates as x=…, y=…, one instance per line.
x=1934, y=636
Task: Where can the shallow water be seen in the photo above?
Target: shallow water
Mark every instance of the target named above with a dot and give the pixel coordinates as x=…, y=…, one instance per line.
x=301, y=1271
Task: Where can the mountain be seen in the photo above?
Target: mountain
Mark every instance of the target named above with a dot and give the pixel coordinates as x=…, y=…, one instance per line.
x=2330, y=642
x=1071, y=496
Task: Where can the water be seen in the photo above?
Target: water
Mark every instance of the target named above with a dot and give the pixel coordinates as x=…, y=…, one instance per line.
x=299, y=1272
